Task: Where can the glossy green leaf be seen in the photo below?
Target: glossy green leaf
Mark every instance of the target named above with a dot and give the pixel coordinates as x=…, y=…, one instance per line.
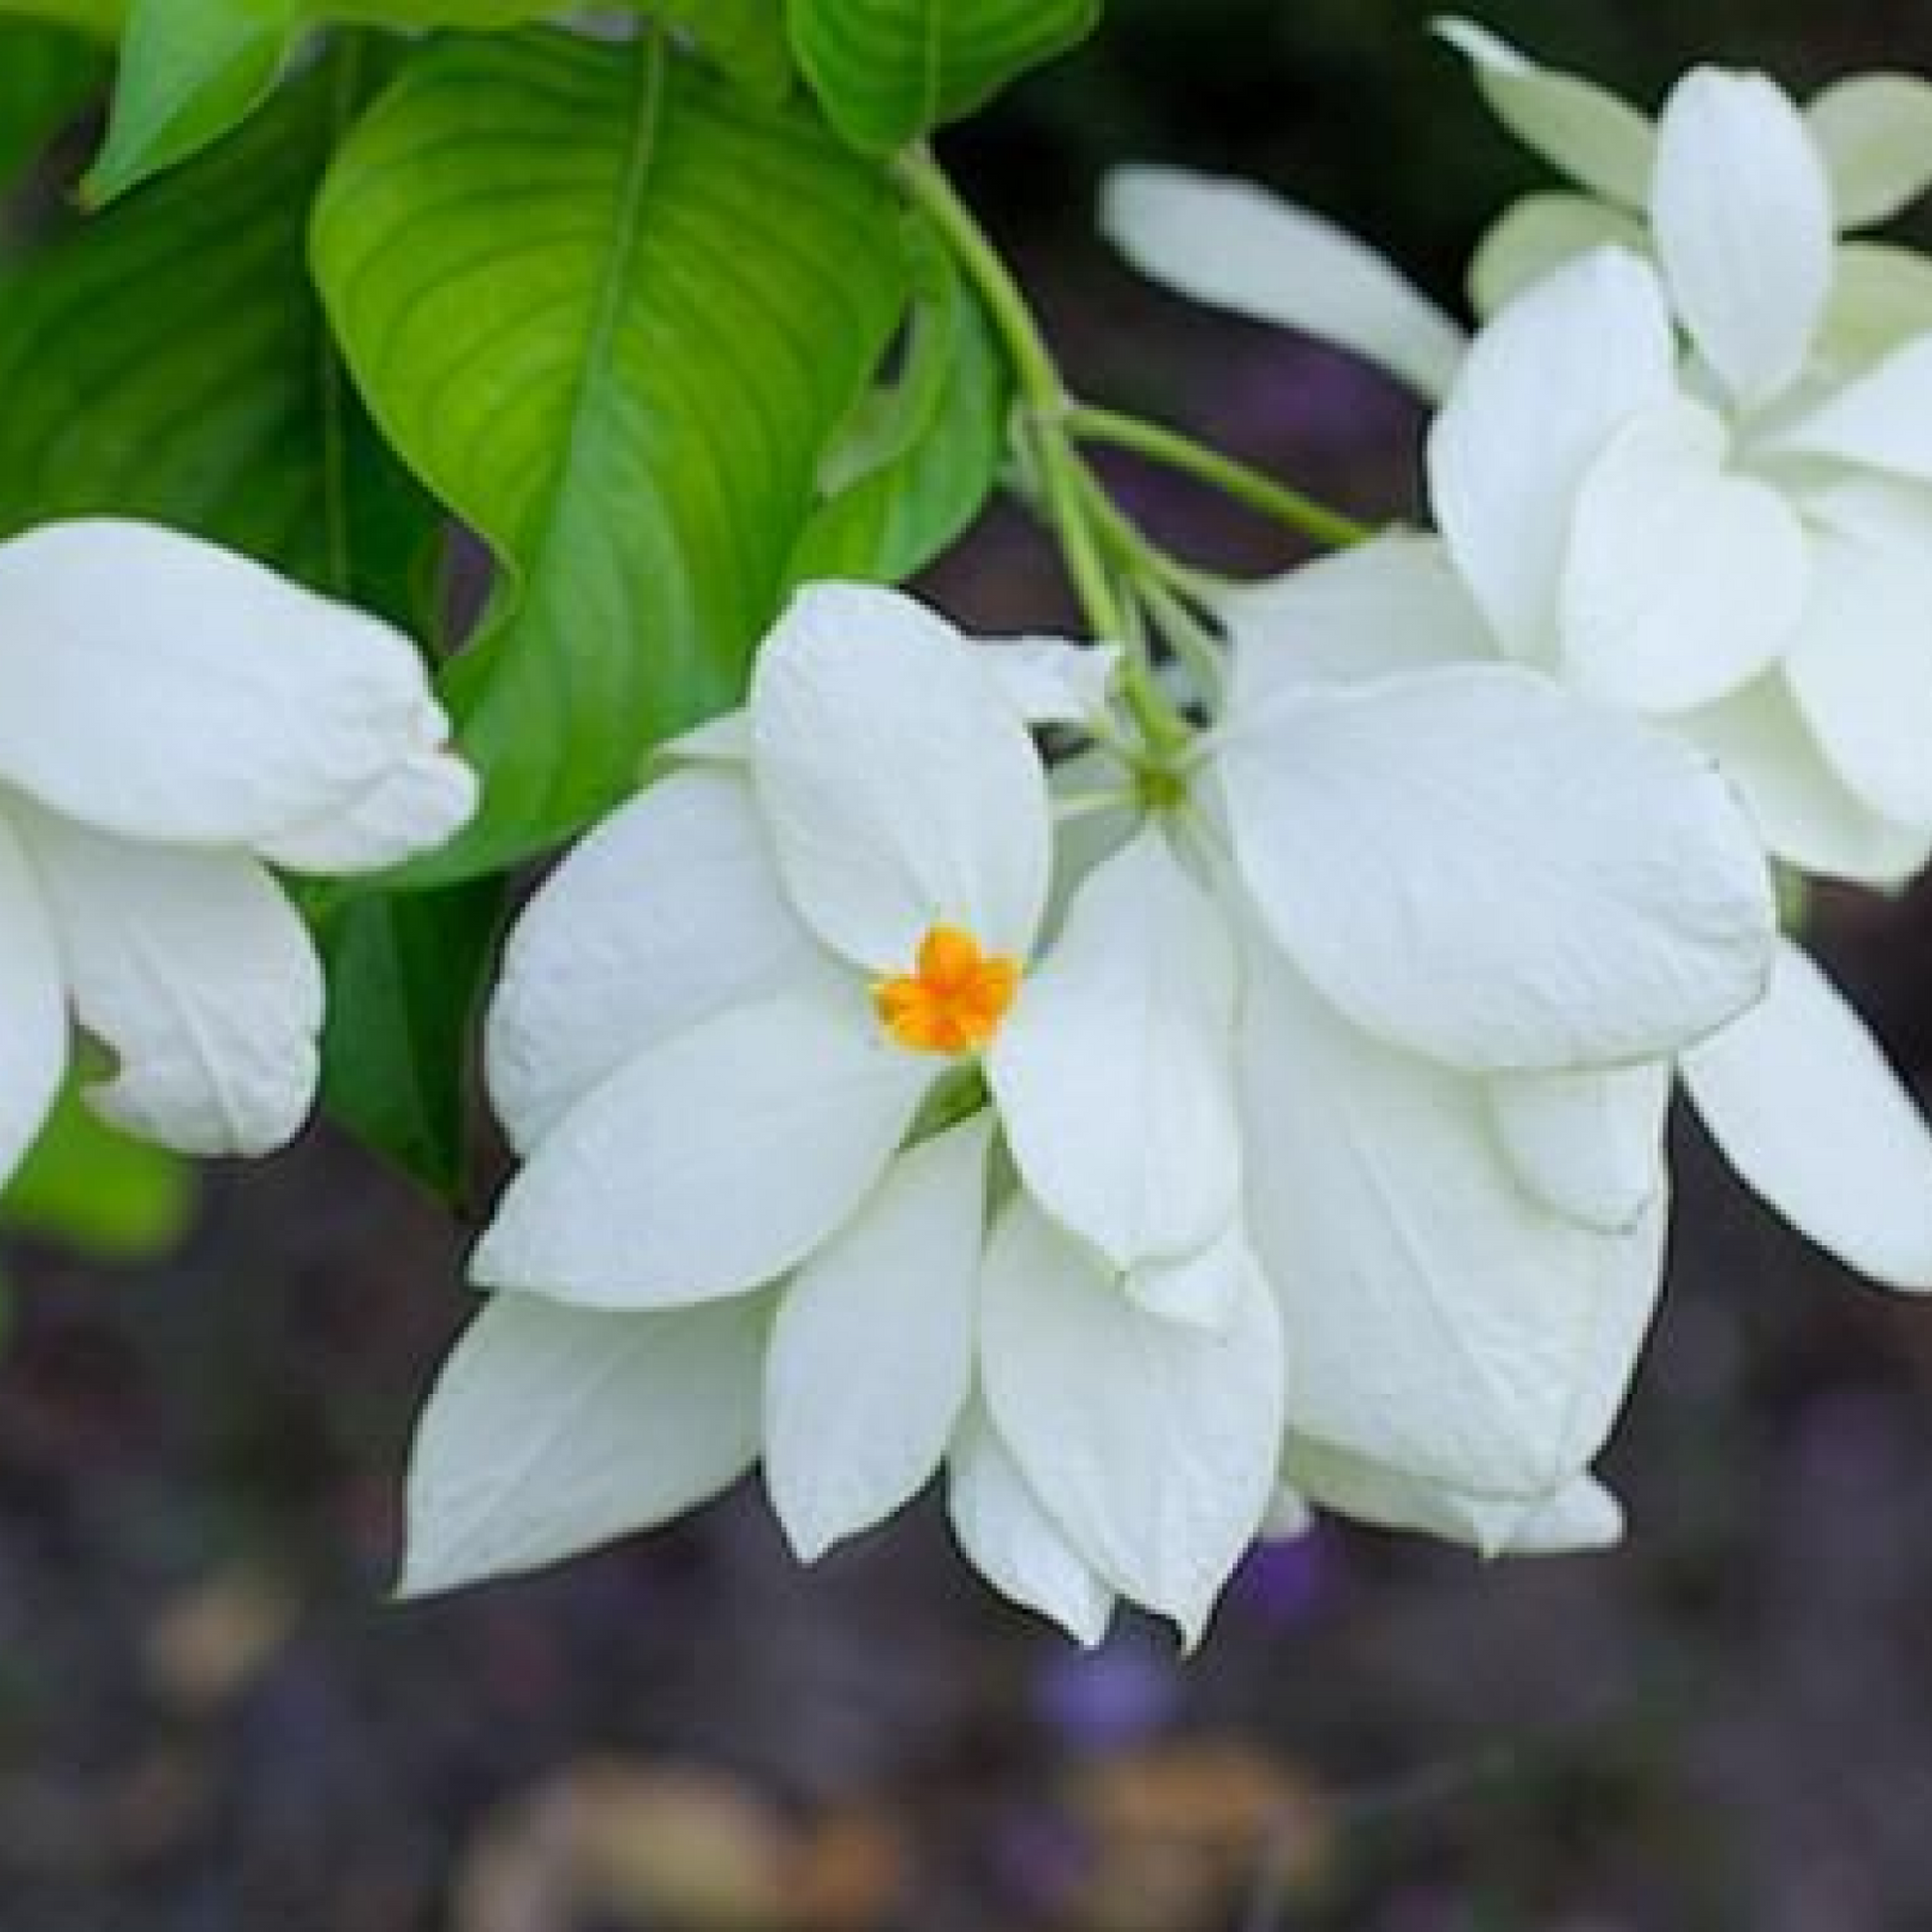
x=918, y=462
x=407, y=978
x=46, y=77
x=611, y=310
x=191, y=70
x=97, y=1190
x=891, y=71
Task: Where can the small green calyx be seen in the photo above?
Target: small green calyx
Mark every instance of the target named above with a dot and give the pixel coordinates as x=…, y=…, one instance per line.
x=956, y=1096
x=1160, y=789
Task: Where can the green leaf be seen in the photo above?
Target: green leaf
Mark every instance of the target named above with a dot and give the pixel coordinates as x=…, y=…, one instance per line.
x=169, y=359
x=890, y=71
x=46, y=77
x=407, y=978
x=193, y=69
x=190, y=69
x=611, y=310
x=920, y=459
x=97, y=1190
x=744, y=38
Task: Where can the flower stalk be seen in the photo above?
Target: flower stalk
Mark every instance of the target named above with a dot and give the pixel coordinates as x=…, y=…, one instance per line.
x=1116, y=571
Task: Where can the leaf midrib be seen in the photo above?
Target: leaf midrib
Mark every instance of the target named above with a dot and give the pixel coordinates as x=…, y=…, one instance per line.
x=615, y=288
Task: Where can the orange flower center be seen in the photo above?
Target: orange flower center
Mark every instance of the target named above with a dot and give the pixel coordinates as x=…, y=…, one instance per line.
x=953, y=1000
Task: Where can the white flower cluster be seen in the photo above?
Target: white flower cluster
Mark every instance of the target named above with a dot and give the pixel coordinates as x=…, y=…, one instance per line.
x=1685, y=465
x=1288, y=1130
x=1151, y=1143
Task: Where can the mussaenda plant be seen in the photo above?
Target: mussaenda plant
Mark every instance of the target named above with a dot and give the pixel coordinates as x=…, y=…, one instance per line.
x=1152, y=1084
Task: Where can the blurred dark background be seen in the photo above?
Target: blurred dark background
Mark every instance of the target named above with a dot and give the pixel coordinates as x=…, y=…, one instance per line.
x=211, y=1721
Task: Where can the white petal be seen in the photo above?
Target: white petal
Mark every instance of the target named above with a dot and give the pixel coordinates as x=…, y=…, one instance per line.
x=1681, y=583
x=1048, y=681
x=1861, y=664
x=1547, y=382
x=33, y=1007
x=1391, y=603
x=1290, y=1516
x=1742, y=216
x=1601, y=142
x=1581, y=1515
x=1804, y=1107
x=669, y=913
x=1240, y=248
x=1438, y=1319
x=1802, y=808
x=1874, y=131
x=902, y=791
x=1098, y=811
x=1112, y=1072
x=1540, y=234
x=1881, y=298
x=1882, y=420
x=416, y=805
x=196, y=970
x=551, y=1431
x=157, y=687
x=1587, y=1144
x=712, y=1161
x=1489, y=870
x=1013, y=1542
x=1152, y=1444
x=1205, y=1288
x=872, y=1351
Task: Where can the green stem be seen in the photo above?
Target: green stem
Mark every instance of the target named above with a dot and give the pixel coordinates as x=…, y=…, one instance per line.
x=1033, y=361
x=1065, y=483
x=1174, y=451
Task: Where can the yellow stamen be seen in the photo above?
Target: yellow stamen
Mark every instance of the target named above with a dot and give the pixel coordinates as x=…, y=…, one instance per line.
x=954, y=999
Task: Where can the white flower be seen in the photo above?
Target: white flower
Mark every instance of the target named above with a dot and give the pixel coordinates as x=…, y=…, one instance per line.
x=1744, y=542
x=1604, y=544
x=173, y=720
x=1738, y=544
x=1728, y=150
x=1758, y=536
x=756, y=1209
x=1475, y=908
x=746, y=1041
x=1443, y=880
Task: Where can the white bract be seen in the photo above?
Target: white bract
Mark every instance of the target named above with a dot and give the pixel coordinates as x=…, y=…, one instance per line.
x=175, y=720
x=1689, y=473
x=1581, y=1516
x=1644, y=581
x=1464, y=950
x=753, y=1041
x=1739, y=537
